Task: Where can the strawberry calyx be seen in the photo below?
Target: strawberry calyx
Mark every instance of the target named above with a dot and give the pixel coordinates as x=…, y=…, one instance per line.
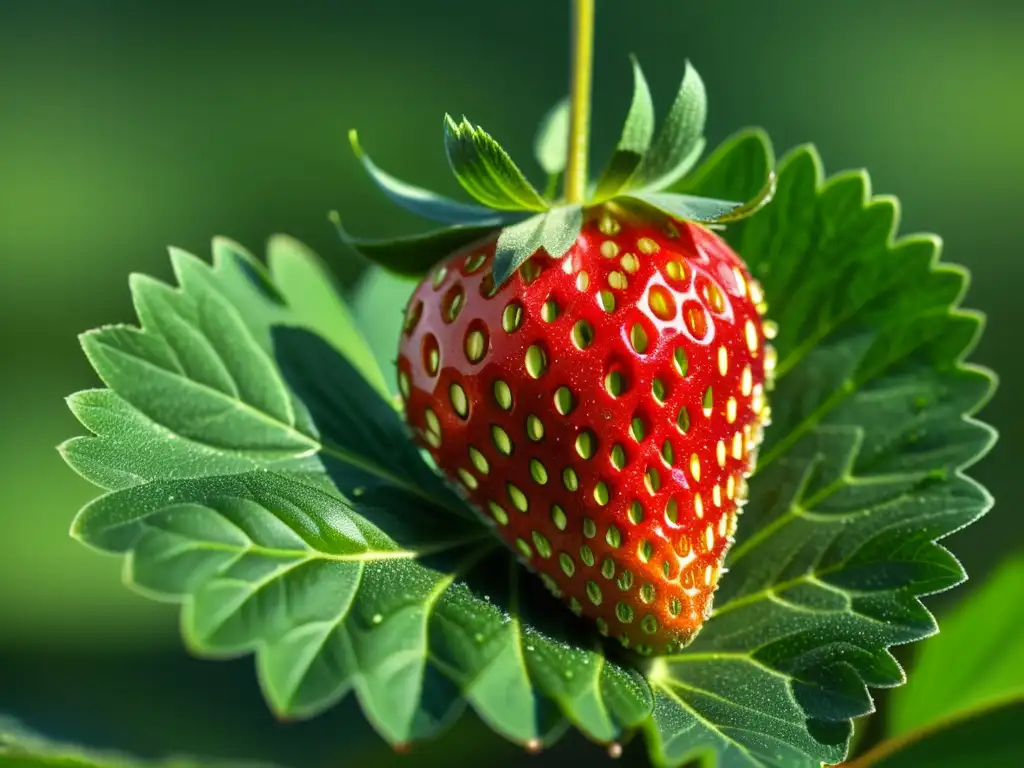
x=646, y=173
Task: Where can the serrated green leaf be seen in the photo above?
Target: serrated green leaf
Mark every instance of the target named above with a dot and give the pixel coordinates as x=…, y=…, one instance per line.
x=343, y=561
x=551, y=146
x=975, y=662
x=176, y=393
x=415, y=255
x=858, y=476
x=423, y=202
x=634, y=142
x=486, y=171
x=554, y=231
x=988, y=737
x=680, y=140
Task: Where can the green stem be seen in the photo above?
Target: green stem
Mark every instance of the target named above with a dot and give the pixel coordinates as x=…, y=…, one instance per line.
x=579, y=100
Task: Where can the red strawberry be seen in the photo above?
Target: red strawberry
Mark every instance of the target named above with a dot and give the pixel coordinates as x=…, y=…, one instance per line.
x=603, y=410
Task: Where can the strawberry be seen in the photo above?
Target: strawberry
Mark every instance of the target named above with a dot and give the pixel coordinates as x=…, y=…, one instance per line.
x=601, y=410
x=590, y=368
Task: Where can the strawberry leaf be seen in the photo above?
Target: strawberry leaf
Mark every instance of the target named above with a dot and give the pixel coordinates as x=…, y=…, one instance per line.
x=486, y=171
x=680, y=140
x=421, y=201
x=415, y=255
x=254, y=475
x=860, y=473
x=634, y=142
x=255, y=472
x=554, y=231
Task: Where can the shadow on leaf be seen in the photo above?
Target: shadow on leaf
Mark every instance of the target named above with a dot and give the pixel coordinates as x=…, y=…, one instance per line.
x=370, y=458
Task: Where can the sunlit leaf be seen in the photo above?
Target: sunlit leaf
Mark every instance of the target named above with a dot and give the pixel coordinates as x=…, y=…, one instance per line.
x=309, y=530
x=858, y=476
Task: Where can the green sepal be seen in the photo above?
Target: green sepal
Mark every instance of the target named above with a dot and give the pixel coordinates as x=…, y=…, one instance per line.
x=421, y=201
x=412, y=255
x=486, y=171
x=551, y=145
x=706, y=210
x=555, y=231
x=634, y=142
x=752, y=206
x=751, y=145
x=680, y=140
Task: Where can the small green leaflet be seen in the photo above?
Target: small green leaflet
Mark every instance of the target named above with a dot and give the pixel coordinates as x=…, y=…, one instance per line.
x=554, y=231
x=253, y=471
x=960, y=669
x=551, y=146
x=423, y=202
x=634, y=142
x=486, y=171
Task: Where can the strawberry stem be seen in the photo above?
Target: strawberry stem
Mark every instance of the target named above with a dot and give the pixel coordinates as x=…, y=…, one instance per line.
x=579, y=100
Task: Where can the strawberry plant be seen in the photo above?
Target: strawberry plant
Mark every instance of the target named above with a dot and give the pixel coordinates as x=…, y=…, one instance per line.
x=670, y=455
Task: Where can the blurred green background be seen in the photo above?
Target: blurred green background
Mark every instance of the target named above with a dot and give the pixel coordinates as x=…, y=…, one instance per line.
x=127, y=126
